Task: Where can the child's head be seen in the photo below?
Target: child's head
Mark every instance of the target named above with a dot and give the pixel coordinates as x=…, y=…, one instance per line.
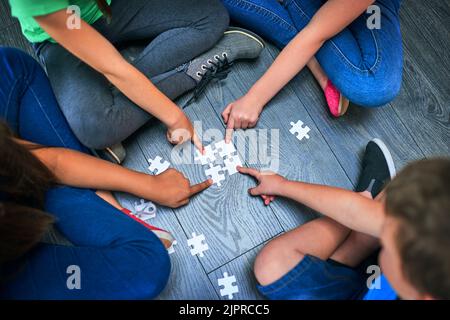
x=416, y=235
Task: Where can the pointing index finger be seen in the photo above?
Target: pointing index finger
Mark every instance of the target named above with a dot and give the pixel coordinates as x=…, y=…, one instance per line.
x=250, y=171
x=229, y=130
x=200, y=187
x=197, y=143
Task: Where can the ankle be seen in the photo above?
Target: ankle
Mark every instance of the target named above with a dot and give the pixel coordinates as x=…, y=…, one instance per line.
x=323, y=82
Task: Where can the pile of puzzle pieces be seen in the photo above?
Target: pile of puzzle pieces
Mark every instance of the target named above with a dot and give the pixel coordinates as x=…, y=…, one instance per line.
x=219, y=158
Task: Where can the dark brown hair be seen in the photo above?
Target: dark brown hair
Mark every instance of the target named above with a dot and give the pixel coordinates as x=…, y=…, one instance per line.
x=23, y=183
x=419, y=197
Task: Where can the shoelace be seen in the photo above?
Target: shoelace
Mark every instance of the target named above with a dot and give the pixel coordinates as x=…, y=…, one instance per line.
x=217, y=70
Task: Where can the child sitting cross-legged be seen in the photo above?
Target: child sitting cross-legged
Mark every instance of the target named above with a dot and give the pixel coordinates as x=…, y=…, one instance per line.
x=334, y=257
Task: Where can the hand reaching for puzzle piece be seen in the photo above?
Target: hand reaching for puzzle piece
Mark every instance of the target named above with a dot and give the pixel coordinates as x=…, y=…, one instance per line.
x=177, y=188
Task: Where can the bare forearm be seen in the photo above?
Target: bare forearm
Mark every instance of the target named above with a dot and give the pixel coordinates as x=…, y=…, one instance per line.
x=109, y=62
x=346, y=207
x=139, y=89
x=286, y=66
x=77, y=169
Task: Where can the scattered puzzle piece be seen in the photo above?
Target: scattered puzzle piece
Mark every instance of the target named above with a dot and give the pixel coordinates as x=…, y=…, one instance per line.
x=300, y=130
x=229, y=286
x=157, y=166
x=216, y=174
x=145, y=210
x=171, y=250
x=197, y=244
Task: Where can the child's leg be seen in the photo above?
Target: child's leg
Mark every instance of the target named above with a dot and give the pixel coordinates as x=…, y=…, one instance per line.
x=353, y=56
x=27, y=102
x=117, y=257
x=268, y=18
x=271, y=20
x=358, y=246
x=319, y=238
x=175, y=33
x=99, y=114
x=322, y=238
x=109, y=197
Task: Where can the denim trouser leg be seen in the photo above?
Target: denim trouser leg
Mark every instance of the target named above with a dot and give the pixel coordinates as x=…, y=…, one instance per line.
x=365, y=65
x=118, y=257
x=27, y=102
x=174, y=31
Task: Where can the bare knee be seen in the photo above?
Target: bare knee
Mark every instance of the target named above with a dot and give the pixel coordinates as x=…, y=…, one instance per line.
x=273, y=262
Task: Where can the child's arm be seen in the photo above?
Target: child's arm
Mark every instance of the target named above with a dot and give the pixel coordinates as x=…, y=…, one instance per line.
x=96, y=51
x=80, y=170
x=331, y=19
x=346, y=207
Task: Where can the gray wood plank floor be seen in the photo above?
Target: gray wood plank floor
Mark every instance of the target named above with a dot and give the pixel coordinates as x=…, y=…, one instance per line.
x=236, y=226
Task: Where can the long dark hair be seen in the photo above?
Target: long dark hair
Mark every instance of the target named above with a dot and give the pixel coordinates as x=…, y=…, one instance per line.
x=24, y=181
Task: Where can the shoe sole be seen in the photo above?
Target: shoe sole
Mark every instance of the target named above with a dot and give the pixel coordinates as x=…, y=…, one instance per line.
x=387, y=155
x=246, y=33
x=160, y=233
x=164, y=235
x=113, y=155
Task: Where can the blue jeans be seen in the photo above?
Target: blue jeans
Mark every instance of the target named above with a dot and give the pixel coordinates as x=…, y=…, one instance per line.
x=365, y=65
x=316, y=279
x=118, y=257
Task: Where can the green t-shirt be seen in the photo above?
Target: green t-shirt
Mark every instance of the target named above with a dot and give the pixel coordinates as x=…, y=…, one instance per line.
x=25, y=10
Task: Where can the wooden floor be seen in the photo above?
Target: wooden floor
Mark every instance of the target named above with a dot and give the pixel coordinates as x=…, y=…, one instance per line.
x=236, y=226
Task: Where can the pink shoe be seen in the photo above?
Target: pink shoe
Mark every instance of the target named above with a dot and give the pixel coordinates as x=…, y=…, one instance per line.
x=163, y=235
x=337, y=103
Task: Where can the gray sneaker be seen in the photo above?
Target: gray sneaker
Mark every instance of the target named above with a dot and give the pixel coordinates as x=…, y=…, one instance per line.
x=236, y=44
x=115, y=154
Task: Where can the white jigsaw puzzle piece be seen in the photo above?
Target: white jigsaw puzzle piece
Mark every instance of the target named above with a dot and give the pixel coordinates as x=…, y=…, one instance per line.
x=216, y=174
x=171, y=250
x=230, y=164
x=229, y=286
x=157, y=165
x=208, y=157
x=145, y=210
x=300, y=130
x=224, y=149
x=198, y=244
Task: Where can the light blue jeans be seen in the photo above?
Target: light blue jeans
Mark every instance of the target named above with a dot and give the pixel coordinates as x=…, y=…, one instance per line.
x=365, y=65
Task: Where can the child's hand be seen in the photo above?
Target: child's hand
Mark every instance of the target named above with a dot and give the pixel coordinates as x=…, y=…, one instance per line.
x=240, y=114
x=182, y=130
x=170, y=188
x=269, y=184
